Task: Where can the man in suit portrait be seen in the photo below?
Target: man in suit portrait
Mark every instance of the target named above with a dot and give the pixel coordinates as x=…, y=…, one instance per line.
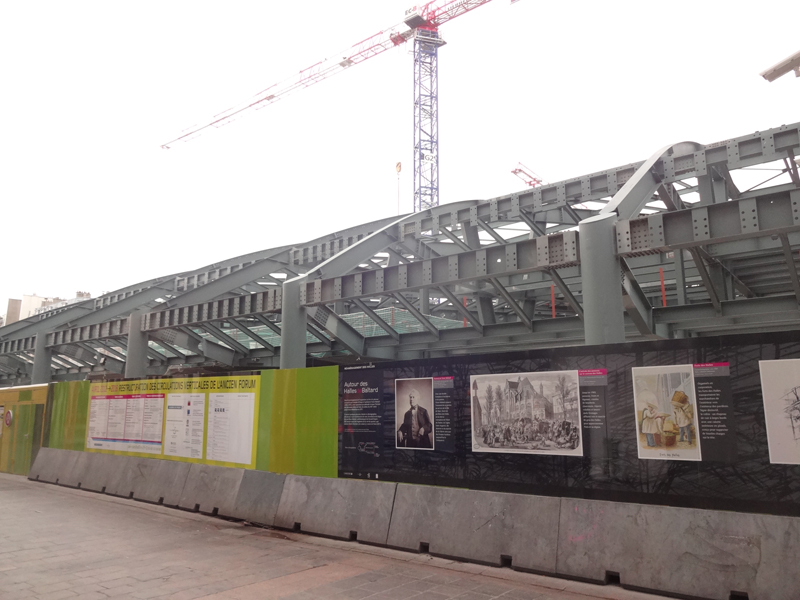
x=417, y=428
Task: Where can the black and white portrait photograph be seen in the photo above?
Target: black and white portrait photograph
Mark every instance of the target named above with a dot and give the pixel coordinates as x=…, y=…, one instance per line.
x=414, y=413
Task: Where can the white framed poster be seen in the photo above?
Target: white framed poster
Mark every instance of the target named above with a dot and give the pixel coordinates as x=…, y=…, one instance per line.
x=527, y=413
x=780, y=387
x=230, y=427
x=185, y=422
x=666, y=413
x=414, y=413
x=129, y=422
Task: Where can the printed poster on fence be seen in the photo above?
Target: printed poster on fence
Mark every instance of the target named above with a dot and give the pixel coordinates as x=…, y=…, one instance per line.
x=414, y=413
x=780, y=387
x=200, y=418
x=666, y=412
x=230, y=427
x=184, y=434
x=361, y=404
x=528, y=413
x=126, y=416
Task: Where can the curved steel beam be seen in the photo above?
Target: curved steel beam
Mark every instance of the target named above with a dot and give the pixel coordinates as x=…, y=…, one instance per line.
x=637, y=191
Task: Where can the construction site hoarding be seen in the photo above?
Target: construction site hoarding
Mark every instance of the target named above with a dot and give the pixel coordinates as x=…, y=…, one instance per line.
x=665, y=422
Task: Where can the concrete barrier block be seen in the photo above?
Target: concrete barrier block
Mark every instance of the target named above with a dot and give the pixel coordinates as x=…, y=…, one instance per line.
x=158, y=481
x=701, y=553
x=210, y=487
x=120, y=475
x=485, y=527
x=51, y=464
x=99, y=470
x=74, y=472
x=778, y=572
x=337, y=507
x=257, y=499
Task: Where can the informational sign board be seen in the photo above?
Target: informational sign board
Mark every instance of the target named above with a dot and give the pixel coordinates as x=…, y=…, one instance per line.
x=184, y=434
x=361, y=406
x=230, y=427
x=126, y=417
x=202, y=419
x=718, y=411
x=712, y=382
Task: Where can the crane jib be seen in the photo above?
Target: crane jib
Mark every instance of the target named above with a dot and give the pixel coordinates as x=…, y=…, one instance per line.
x=425, y=17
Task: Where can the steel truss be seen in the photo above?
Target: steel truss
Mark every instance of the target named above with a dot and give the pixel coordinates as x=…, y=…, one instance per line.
x=696, y=256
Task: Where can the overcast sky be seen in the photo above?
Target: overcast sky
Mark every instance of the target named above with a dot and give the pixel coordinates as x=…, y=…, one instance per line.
x=90, y=91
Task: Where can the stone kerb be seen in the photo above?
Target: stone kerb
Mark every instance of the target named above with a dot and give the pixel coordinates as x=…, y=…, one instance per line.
x=342, y=508
x=490, y=528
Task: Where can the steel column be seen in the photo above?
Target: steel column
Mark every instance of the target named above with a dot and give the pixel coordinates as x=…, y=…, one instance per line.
x=41, y=360
x=603, y=309
x=293, y=326
x=789, y=257
x=136, y=353
x=425, y=301
x=680, y=276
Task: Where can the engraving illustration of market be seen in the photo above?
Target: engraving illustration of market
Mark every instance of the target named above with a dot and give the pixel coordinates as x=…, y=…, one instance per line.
x=528, y=412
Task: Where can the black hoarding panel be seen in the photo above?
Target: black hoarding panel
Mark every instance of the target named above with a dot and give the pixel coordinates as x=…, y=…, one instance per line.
x=523, y=446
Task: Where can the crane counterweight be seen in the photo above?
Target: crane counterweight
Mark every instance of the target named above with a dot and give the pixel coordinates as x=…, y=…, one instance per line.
x=414, y=18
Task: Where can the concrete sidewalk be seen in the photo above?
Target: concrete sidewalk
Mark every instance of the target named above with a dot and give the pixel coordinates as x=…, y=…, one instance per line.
x=58, y=543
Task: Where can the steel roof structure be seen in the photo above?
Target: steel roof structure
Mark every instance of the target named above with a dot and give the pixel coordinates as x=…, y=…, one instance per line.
x=664, y=248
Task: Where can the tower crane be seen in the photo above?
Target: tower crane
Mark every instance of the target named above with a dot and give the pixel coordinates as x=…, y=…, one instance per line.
x=420, y=23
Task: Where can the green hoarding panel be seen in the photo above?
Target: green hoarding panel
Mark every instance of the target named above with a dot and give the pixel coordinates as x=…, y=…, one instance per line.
x=68, y=415
x=317, y=422
x=282, y=429
x=81, y=414
x=264, y=420
x=58, y=415
x=19, y=448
